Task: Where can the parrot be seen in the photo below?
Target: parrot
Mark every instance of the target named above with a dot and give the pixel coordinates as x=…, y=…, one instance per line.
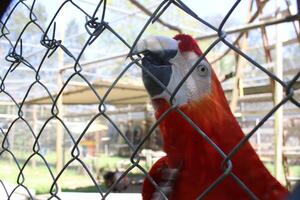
x=192, y=164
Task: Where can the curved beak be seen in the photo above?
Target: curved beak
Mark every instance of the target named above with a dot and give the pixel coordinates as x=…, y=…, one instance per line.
x=160, y=48
x=156, y=44
x=157, y=51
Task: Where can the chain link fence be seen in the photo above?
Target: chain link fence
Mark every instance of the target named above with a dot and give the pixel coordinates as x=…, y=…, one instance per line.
x=96, y=25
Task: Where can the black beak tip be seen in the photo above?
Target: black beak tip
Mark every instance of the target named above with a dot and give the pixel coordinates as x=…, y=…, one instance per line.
x=162, y=74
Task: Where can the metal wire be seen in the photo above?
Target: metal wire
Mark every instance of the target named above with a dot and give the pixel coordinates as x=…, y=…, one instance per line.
x=94, y=28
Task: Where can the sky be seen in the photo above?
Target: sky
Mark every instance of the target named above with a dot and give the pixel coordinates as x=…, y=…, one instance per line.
x=117, y=14
x=203, y=8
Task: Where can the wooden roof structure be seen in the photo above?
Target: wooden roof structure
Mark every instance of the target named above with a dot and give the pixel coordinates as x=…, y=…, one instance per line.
x=120, y=94
x=126, y=94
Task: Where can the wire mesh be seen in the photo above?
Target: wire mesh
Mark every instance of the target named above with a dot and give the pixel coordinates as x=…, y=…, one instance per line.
x=95, y=27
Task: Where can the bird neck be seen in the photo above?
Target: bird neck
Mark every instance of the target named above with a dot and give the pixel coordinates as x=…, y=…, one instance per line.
x=210, y=113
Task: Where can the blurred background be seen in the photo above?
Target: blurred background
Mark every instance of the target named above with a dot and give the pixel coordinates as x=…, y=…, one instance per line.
x=267, y=31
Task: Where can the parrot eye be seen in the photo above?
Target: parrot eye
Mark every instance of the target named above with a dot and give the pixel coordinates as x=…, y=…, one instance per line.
x=202, y=69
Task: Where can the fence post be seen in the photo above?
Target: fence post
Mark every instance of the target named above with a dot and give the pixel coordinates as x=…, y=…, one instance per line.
x=237, y=89
x=278, y=96
x=59, y=82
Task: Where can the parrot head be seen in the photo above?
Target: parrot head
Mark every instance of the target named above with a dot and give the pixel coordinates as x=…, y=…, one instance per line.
x=169, y=60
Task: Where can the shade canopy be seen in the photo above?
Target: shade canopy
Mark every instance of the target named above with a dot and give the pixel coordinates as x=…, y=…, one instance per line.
x=125, y=94
x=120, y=94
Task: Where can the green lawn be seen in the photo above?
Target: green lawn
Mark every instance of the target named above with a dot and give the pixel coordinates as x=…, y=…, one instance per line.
x=74, y=178
x=39, y=178
x=110, y=162
x=294, y=170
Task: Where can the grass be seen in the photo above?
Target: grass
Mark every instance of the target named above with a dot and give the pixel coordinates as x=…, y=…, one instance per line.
x=74, y=177
x=294, y=170
x=102, y=161
x=39, y=178
x=91, y=188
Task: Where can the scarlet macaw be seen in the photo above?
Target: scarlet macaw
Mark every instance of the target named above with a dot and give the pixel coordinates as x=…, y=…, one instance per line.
x=191, y=163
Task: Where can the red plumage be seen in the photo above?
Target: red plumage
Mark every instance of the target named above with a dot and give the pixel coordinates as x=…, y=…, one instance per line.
x=200, y=164
x=187, y=43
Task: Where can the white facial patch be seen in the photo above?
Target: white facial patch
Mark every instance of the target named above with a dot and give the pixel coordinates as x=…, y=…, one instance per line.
x=197, y=85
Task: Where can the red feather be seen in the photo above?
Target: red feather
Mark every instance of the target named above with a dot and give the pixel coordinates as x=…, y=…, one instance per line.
x=201, y=163
x=155, y=173
x=187, y=43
